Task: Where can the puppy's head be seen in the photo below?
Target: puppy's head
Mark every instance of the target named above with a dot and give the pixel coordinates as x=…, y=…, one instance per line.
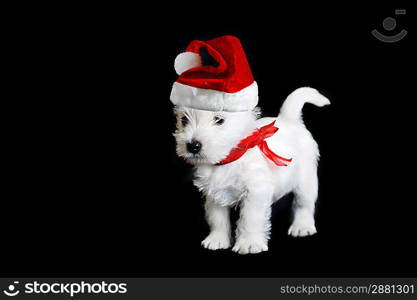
x=206, y=137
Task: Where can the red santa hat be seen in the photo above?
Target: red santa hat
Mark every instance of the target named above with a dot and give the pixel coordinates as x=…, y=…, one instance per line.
x=214, y=75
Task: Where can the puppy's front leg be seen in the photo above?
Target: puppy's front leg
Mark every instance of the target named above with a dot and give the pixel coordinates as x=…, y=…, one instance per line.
x=253, y=227
x=219, y=221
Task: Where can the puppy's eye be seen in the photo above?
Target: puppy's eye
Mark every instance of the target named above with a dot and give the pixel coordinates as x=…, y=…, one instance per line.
x=184, y=121
x=218, y=120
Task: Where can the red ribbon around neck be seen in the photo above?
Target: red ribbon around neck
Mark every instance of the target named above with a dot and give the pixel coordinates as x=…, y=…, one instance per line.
x=257, y=138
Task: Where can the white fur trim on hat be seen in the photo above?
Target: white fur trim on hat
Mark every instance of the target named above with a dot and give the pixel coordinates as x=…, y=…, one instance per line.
x=204, y=99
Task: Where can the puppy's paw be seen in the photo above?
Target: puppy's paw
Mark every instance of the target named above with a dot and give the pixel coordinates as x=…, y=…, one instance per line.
x=300, y=229
x=216, y=240
x=250, y=244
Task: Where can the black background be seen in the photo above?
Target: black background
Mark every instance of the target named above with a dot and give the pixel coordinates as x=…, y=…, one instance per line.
x=94, y=186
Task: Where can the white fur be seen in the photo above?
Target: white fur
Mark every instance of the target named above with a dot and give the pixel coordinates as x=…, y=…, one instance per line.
x=253, y=182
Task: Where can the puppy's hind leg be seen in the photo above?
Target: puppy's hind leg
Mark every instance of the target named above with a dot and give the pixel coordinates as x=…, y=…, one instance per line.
x=218, y=219
x=305, y=196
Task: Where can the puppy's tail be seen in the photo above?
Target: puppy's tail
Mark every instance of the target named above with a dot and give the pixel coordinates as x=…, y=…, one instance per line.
x=292, y=107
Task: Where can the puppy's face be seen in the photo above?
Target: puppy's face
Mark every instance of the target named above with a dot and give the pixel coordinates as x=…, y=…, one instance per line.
x=206, y=137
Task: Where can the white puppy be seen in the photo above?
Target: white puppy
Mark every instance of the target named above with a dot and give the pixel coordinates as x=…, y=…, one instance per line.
x=253, y=181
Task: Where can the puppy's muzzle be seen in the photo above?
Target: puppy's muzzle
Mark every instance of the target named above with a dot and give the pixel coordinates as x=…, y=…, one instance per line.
x=194, y=147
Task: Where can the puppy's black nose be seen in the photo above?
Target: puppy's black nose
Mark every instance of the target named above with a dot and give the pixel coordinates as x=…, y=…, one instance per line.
x=194, y=147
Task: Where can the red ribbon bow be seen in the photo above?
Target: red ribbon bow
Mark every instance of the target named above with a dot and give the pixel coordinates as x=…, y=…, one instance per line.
x=257, y=138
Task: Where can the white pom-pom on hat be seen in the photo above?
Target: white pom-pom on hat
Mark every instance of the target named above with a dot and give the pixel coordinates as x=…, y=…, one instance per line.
x=185, y=61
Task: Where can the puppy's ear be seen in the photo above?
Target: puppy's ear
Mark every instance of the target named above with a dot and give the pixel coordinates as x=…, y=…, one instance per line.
x=257, y=112
x=177, y=111
x=178, y=114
